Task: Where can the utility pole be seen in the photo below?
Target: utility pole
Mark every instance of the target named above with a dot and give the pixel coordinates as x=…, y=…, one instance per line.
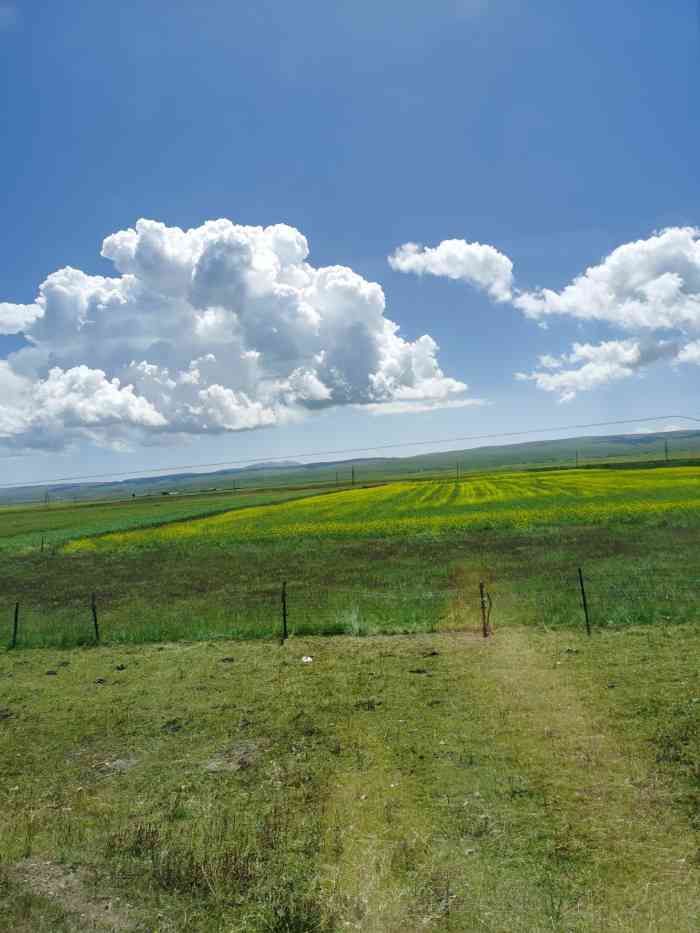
x=353, y=475
x=666, y=449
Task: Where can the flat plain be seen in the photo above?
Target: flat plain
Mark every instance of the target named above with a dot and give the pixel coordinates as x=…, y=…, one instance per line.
x=24, y=528
x=189, y=772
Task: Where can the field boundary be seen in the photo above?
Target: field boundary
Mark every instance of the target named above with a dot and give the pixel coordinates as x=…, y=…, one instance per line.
x=276, y=612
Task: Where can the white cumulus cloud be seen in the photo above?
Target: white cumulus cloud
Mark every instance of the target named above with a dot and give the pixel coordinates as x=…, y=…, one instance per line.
x=218, y=328
x=476, y=263
x=590, y=366
x=648, y=286
x=16, y=318
x=690, y=353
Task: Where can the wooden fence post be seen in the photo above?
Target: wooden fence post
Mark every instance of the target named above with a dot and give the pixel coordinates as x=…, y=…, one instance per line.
x=93, y=606
x=484, y=617
x=584, y=602
x=284, y=612
x=15, y=626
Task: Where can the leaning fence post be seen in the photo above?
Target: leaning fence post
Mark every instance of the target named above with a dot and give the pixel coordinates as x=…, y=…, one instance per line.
x=15, y=626
x=284, y=612
x=584, y=602
x=484, y=617
x=93, y=606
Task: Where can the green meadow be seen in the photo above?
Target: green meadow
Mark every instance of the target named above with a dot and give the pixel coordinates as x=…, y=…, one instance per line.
x=395, y=558
x=191, y=772
x=535, y=781
x=24, y=528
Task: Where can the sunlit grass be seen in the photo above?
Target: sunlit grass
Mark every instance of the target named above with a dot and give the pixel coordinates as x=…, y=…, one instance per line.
x=432, y=782
x=393, y=559
x=47, y=527
x=517, y=501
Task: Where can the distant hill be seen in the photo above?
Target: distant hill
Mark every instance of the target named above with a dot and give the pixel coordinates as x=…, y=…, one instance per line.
x=584, y=451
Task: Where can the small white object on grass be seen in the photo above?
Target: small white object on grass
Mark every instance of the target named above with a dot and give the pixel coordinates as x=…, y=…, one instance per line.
x=307, y=659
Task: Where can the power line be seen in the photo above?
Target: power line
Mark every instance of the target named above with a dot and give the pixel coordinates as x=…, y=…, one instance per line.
x=347, y=450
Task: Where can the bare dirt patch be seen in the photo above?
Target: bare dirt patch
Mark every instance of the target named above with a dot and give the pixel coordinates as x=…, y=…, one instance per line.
x=238, y=757
x=120, y=765
x=70, y=890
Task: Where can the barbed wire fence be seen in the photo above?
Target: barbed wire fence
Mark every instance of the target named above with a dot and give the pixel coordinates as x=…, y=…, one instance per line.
x=587, y=601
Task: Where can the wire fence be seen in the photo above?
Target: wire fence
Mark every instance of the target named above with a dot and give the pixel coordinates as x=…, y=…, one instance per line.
x=587, y=601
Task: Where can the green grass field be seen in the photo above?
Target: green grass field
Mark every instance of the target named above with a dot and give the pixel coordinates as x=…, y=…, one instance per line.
x=532, y=782
x=498, y=501
x=395, y=558
x=189, y=773
x=23, y=528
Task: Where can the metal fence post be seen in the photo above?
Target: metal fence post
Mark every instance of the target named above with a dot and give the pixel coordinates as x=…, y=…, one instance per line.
x=284, y=612
x=15, y=626
x=484, y=604
x=584, y=601
x=93, y=606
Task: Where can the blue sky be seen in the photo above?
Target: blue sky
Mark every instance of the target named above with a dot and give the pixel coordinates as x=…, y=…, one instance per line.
x=553, y=132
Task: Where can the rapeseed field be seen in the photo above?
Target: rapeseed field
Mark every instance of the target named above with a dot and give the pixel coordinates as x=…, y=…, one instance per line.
x=23, y=528
x=403, y=557
x=518, y=501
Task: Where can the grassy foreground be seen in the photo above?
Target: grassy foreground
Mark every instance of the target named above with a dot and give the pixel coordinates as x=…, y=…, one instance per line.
x=538, y=781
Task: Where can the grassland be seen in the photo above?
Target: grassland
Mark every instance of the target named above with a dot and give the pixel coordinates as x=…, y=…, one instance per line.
x=507, y=501
x=533, y=782
x=387, y=559
x=433, y=780
x=23, y=528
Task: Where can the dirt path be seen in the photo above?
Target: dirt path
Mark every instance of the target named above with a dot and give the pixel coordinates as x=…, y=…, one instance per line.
x=615, y=823
x=503, y=783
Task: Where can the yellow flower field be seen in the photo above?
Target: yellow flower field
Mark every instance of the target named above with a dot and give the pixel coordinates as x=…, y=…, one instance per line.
x=497, y=500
